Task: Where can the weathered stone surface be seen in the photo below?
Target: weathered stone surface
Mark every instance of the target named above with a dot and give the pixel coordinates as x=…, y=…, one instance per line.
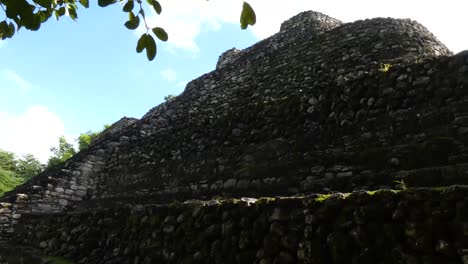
x=352, y=228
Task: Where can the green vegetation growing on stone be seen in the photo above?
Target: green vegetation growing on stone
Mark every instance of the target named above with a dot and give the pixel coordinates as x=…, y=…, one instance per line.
x=322, y=197
x=169, y=97
x=266, y=200
x=57, y=260
x=401, y=184
x=385, y=67
x=374, y=192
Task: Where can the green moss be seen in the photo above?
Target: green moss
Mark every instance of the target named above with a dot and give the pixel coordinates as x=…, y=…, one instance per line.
x=440, y=189
x=322, y=197
x=372, y=192
x=266, y=200
x=385, y=67
x=57, y=260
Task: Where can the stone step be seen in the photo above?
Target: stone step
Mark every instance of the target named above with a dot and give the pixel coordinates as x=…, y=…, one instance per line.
x=434, y=176
x=12, y=253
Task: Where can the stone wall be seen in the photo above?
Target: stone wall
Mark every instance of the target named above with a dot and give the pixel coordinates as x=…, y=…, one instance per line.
x=307, y=21
x=286, y=118
x=229, y=56
x=56, y=189
x=252, y=128
x=118, y=126
x=412, y=226
x=306, y=24
x=280, y=120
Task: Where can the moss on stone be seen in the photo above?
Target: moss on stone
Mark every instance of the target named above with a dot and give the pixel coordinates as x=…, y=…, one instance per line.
x=57, y=260
x=322, y=197
x=266, y=200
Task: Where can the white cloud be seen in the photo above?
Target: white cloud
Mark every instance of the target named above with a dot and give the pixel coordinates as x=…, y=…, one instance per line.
x=181, y=84
x=169, y=75
x=445, y=21
x=17, y=81
x=186, y=19
x=33, y=132
x=2, y=43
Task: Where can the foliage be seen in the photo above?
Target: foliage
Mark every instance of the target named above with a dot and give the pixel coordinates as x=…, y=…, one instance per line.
x=7, y=160
x=28, y=166
x=64, y=151
x=57, y=260
x=401, y=184
x=8, y=181
x=385, y=67
x=85, y=139
x=248, y=16
x=30, y=14
x=169, y=97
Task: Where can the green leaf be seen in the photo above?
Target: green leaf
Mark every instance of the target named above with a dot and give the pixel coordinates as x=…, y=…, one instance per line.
x=61, y=11
x=44, y=3
x=160, y=33
x=4, y=30
x=157, y=6
x=133, y=21
x=104, y=3
x=141, y=44
x=32, y=23
x=28, y=18
x=44, y=15
x=150, y=47
x=72, y=12
x=18, y=23
x=129, y=6
x=18, y=8
x=12, y=30
x=84, y=3
x=248, y=16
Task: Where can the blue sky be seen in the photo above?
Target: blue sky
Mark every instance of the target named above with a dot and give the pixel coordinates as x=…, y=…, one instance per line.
x=70, y=77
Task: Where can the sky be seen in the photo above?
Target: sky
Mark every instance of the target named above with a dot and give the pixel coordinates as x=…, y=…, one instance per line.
x=70, y=77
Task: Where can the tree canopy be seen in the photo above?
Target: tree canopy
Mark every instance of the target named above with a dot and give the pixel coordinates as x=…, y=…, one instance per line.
x=85, y=139
x=14, y=171
x=8, y=181
x=61, y=153
x=31, y=14
x=65, y=150
x=25, y=167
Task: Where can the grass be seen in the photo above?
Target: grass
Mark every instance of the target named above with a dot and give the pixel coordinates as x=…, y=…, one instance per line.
x=8, y=181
